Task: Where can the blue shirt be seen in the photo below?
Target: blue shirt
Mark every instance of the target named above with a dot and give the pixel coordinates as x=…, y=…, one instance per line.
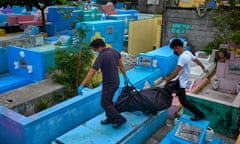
x=108, y=62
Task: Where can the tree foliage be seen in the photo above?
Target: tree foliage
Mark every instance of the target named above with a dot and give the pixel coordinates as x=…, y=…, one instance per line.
x=40, y=4
x=29, y=4
x=72, y=64
x=227, y=24
x=65, y=71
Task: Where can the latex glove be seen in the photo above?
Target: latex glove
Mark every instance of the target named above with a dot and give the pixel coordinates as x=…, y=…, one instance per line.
x=126, y=80
x=163, y=84
x=80, y=88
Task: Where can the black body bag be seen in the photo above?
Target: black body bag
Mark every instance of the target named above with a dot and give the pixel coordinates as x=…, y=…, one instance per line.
x=149, y=100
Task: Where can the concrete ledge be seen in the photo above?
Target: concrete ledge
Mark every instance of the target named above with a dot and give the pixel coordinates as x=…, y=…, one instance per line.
x=32, y=69
x=148, y=129
x=45, y=126
x=166, y=140
x=236, y=102
x=203, y=124
x=217, y=97
x=23, y=100
x=137, y=129
x=220, y=109
x=9, y=82
x=28, y=93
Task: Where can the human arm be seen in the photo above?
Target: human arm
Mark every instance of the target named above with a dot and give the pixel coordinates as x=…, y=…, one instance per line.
x=96, y=66
x=196, y=61
x=122, y=68
x=174, y=74
x=89, y=76
x=199, y=63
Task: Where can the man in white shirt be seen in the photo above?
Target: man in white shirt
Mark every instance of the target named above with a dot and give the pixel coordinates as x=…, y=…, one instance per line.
x=181, y=75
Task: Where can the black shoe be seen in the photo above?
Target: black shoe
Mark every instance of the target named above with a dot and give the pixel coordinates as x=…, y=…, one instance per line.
x=154, y=112
x=197, y=118
x=118, y=122
x=151, y=113
x=107, y=121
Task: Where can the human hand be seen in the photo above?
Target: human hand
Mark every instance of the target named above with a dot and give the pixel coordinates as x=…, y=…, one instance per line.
x=163, y=84
x=80, y=88
x=126, y=80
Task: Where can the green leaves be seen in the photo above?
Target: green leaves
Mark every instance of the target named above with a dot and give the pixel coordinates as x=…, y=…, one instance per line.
x=66, y=61
x=227, y=24
x=235, y=37
x=27, y=3
x=72, y=63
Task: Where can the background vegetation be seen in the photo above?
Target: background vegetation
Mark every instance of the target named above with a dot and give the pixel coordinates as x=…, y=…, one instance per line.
x=72, y=64
x=227, y=24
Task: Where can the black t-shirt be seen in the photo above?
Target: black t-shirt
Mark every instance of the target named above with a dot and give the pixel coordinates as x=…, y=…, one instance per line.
x=108, y=62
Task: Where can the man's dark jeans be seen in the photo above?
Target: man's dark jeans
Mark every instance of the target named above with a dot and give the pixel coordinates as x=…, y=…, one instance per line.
x=107, y=103
x=183, y=100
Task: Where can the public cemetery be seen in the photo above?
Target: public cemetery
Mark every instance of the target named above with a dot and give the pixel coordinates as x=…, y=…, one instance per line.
x=45, y=54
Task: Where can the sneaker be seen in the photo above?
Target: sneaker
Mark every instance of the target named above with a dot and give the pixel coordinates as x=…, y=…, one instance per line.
x=107, y=121
x=119, y=122
x=197, y=118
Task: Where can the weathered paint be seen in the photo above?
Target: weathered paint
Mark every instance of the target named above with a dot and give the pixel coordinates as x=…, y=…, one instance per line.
x=172, y=138
x=19, y=77
x=138, y=128
x=45, y=126
x=35, y=59
x=147, y=129
x=3, y=61
x=224, y=118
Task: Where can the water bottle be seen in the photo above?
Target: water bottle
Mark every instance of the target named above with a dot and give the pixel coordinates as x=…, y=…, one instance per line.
x=209, y=134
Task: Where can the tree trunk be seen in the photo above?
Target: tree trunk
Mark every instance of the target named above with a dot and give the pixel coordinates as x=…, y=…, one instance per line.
x=79, y=64
x=43, y=19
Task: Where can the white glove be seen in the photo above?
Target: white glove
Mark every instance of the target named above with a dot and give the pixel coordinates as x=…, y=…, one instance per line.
x=162, y=84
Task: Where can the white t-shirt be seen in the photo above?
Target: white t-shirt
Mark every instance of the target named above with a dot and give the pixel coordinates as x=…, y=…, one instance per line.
x=185, y=61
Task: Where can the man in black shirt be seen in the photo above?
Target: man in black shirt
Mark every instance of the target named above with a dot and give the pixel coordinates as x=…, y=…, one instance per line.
x=108, y=61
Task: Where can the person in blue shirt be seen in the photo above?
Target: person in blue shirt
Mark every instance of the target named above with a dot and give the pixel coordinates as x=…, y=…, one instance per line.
x=108, y=60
